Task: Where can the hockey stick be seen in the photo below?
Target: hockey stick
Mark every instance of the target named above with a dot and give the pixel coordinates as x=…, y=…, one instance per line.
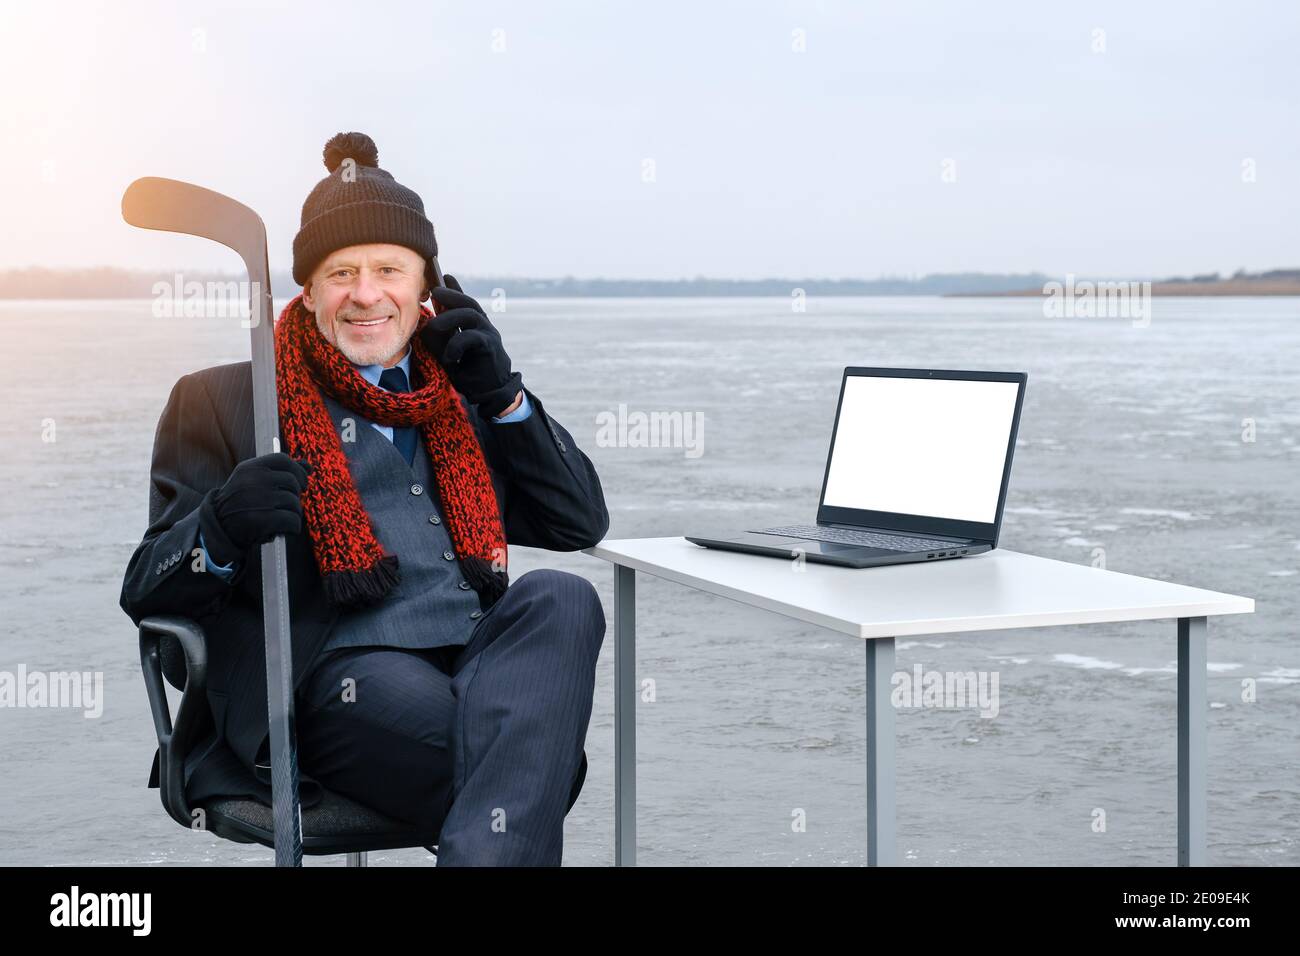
x=173, y=206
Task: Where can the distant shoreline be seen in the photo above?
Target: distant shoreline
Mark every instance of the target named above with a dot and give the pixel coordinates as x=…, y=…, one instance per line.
x=113, y=283
x=1223, y=287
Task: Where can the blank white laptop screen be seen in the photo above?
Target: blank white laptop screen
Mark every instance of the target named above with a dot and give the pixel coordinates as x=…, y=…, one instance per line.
x=921, y=446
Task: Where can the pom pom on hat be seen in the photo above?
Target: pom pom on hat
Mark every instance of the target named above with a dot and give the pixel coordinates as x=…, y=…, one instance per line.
x=357, y=146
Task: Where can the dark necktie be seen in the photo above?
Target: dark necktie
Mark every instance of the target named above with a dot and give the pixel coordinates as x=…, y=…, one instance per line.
x=394, y=379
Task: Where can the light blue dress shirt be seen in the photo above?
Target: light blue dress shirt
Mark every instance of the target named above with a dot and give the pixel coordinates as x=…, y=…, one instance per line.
x=371, y=374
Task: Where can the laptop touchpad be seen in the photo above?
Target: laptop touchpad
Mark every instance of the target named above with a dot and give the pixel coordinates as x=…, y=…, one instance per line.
x=806, y=545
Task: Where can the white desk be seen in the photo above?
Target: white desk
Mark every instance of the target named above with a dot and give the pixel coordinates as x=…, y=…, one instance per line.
x=998, y=589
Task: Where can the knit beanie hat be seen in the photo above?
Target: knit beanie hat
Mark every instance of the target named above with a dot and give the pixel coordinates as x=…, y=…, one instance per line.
x=358, y=203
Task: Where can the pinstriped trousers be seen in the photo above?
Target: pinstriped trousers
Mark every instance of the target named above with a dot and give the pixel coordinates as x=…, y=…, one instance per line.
x=483, y=740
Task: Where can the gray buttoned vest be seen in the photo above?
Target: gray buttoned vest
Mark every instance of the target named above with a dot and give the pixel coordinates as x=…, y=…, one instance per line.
x=433, y=605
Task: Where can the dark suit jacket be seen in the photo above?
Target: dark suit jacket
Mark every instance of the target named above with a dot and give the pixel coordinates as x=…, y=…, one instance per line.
x=547, y=489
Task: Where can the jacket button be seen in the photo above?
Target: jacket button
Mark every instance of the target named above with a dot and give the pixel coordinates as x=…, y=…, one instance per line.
x=475, y=614
x=448, y=555
x=158, y=570
x=417, y=489
x=434, y=519
x=464, y=585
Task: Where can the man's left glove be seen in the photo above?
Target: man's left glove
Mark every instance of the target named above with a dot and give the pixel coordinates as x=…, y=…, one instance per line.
x=474, y=358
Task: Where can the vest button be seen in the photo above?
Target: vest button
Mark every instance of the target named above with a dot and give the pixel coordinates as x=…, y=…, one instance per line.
x=434, y=519
x=475, y=614
x=464, y=585
x=448, y=555
x=417, y=490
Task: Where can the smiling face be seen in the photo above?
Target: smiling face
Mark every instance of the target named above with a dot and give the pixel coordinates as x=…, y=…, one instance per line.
x=367, y=300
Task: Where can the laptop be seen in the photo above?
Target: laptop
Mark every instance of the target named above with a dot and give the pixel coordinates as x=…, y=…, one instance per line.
x=917, y=471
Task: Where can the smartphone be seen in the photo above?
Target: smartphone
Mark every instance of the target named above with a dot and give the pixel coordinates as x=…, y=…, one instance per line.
x=433, y=274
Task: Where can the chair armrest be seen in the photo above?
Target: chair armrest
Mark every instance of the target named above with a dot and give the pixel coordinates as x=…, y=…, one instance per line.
x=175, y=742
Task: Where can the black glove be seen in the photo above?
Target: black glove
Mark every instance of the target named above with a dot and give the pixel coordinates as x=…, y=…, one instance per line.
x=258, y=501
x=474, y=358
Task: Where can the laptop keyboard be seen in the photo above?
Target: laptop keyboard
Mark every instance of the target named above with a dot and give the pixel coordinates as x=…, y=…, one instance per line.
x=892, y=542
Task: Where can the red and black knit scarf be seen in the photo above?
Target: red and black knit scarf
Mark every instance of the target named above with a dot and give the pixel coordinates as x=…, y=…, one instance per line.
x=355, y=568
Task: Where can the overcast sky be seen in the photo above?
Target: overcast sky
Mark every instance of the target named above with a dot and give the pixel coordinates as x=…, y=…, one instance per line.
x=532, y=159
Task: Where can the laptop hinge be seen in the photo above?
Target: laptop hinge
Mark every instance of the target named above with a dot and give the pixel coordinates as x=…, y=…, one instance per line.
x=910, y=534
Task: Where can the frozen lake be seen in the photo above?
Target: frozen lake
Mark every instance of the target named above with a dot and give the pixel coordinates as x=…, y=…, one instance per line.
x=1131, y=447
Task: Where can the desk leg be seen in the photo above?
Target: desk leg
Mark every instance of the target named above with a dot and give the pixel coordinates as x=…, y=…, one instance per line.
x=1192, y=665
x=624, y=716
x=881, y=849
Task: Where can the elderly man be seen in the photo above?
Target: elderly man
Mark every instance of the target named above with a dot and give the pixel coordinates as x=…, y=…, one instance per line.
x=428, y=686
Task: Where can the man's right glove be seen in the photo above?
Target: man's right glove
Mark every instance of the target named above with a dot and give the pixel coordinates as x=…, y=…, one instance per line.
x=258, y=501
